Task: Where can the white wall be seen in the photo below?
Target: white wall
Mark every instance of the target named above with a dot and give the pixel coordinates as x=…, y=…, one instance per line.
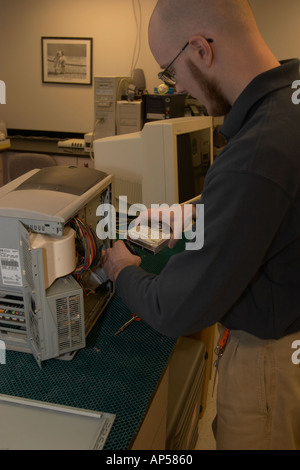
x=30, y=104
x=278, y=21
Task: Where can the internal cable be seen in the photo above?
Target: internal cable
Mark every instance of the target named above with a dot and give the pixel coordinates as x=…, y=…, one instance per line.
x=86, y=245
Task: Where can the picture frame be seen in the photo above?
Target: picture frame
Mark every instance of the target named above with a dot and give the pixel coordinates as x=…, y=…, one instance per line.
x=67, y=60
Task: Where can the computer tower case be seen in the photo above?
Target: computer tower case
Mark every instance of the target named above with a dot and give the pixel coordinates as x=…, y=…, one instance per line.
x=45, y=308
x=157, y=107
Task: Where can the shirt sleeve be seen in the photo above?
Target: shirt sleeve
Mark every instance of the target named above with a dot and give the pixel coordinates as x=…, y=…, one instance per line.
x=242, y=215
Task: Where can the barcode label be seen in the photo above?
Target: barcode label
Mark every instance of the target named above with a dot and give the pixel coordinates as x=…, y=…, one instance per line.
x=10, y=264
x=10, y=267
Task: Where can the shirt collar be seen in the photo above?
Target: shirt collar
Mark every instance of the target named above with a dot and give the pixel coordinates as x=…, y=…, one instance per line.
x=265, y=83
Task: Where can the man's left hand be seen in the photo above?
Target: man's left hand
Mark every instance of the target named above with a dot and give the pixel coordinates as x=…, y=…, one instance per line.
x=117, y=258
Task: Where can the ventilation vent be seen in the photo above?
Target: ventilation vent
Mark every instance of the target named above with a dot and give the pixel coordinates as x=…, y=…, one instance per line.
x=69, y=323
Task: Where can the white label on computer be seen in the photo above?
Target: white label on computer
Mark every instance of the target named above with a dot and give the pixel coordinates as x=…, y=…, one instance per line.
x=10, y=267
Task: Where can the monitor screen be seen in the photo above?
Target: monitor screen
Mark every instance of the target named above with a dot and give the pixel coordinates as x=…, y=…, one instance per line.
x=166, y=162
x=193, y=162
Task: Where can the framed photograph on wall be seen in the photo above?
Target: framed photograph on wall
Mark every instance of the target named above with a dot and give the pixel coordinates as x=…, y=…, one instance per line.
x=67, y=60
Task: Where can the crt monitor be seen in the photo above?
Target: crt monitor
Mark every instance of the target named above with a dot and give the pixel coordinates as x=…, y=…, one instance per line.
x=166, y=162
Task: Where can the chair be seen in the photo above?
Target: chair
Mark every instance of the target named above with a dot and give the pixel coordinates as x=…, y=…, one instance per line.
x=20, y=163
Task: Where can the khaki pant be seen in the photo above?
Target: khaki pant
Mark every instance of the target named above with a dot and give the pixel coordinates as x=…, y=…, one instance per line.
x=258, y=401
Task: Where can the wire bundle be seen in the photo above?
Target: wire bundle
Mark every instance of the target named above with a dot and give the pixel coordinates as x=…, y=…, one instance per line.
x=86, y=246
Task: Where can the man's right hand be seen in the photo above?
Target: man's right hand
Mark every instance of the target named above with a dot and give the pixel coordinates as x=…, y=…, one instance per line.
x=176, y=218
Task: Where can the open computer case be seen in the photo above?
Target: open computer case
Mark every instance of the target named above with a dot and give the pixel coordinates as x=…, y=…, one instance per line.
x=51, y=288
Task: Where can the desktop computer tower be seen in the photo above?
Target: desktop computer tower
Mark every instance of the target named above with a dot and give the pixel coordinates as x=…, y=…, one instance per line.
x=49, y=260
x=107, y=92
x=129, y=117
x=156, y=107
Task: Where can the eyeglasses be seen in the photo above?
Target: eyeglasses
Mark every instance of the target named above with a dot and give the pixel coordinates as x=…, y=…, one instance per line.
x=168, y=76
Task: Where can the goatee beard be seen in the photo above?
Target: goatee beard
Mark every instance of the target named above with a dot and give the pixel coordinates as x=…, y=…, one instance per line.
x=219, y=105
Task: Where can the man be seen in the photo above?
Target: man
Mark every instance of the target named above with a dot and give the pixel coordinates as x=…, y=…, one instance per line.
x=247, y=275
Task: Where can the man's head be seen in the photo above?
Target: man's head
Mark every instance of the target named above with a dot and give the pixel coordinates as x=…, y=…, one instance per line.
x=224, y=53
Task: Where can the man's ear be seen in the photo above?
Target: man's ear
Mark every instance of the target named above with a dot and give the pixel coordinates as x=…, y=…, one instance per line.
x=202, y=48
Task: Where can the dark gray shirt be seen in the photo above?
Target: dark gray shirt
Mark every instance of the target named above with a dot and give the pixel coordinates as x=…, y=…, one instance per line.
x=247, y=275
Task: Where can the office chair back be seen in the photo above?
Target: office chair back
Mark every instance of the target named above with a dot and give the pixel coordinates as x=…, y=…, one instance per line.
x=21, y=163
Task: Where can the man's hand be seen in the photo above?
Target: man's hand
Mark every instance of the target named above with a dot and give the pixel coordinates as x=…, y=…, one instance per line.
x=177, y=217
x=117, y=258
